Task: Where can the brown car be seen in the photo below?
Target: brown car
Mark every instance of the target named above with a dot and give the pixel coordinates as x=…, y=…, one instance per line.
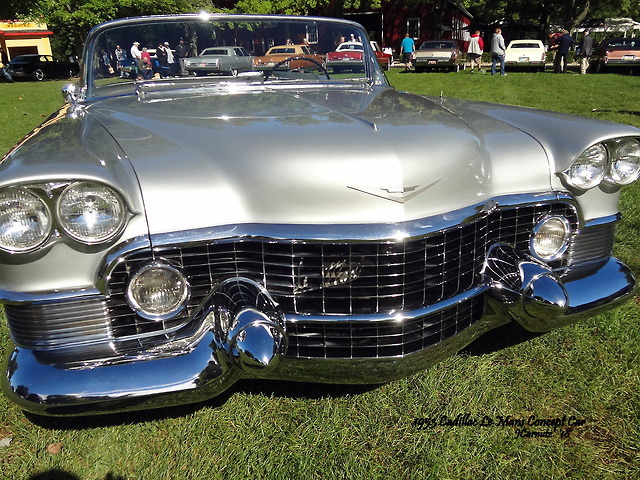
x=281, y=53
x=616, y=53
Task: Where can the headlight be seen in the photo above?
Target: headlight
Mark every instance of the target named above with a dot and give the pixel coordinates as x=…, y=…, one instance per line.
x=25, y=220
x=624, y=156
x=550, y=238
x=589, y=168
x=158, y=291
x=90, y=213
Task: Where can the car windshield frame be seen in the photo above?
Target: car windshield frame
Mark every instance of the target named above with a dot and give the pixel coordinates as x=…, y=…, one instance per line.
x=94, y=86
x=437, y=45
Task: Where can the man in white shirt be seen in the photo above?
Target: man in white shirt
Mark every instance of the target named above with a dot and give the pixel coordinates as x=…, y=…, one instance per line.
x=136, y=55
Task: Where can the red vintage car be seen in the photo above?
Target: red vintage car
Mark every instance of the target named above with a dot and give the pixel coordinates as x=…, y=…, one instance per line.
x=348, y=56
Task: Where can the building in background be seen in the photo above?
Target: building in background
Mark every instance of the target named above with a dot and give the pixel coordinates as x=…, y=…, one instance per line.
x=422, y=21
x=22, y=38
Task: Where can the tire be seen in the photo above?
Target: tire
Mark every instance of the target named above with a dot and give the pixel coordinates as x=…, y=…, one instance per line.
x=38, y=75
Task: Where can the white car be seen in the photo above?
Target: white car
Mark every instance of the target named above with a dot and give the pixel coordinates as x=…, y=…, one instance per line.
x=526, y=54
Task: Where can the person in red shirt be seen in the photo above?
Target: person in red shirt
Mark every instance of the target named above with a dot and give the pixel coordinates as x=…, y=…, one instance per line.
x=147, y=66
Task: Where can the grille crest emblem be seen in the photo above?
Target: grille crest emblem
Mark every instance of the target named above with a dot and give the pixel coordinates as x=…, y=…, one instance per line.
x=397, y=193
x=335, y=273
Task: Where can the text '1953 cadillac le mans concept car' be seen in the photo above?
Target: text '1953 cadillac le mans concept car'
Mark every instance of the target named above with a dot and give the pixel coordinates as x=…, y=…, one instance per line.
x=161, y=239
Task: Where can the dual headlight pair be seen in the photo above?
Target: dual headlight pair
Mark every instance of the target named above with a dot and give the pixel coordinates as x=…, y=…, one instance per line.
x=616, y=161
x=87, y=212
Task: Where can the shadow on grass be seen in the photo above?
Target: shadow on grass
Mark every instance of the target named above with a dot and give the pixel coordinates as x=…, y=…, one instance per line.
x=499, y=338
x=57, y=474
x=268, y=388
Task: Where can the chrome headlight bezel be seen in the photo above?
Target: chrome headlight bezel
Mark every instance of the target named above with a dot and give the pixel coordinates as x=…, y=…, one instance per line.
x=589, y=169
x=604, y=158
x=40, y=210
x=109, y=196
x=177, y=307
x=617, y=154
x=564, y=241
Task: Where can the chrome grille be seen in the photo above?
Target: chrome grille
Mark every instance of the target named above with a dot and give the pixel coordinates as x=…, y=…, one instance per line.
x=309, y=278
x=392, y=275
x=384, y=339
x=59, y=324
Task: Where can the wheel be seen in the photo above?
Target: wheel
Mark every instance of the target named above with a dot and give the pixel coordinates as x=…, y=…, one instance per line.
x=268, y=73
x=233, y=72
x=38, y=75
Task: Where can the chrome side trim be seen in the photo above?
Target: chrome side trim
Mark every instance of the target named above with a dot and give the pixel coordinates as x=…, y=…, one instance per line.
x=398, y=317
x=8, y=296
x=594, y=222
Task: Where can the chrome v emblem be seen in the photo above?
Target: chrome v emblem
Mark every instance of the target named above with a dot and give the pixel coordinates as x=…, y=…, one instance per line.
x=398, y=194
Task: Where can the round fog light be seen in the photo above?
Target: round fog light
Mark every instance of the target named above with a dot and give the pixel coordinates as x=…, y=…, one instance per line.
x=550, y=238
x=158, y=292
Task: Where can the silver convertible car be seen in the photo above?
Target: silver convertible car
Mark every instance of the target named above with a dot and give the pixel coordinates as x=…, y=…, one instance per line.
x=161, y=239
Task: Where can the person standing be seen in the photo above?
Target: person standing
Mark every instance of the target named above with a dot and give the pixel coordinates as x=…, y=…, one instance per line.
x=182, y=52
x=136, y=56
x=498, y=51
x=565, y=42
x=170, y=59
x=553, y=47
x=475, y=49
x=4, y=65
x=121, y=56
x=407, y=47
x=586, y=49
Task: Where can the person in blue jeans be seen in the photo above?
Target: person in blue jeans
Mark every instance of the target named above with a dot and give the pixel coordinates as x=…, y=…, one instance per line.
x=498, y=51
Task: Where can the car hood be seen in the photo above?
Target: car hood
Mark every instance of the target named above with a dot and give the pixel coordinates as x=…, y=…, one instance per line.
x=332, y=156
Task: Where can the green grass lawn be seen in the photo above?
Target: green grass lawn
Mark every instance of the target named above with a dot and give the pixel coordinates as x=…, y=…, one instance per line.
x=589, y=371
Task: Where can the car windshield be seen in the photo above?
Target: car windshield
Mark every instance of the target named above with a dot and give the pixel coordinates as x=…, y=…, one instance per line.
x=214, y=51
x=524, y=45
x=437, y=46
x=114, y=62
x=350, y=46
x=623, y=43
x=22, y=59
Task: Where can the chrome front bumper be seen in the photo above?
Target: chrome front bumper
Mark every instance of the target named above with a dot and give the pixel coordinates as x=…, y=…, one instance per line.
x=247, y=339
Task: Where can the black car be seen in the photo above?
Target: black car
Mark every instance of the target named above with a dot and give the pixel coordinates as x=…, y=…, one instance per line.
x=38, y=67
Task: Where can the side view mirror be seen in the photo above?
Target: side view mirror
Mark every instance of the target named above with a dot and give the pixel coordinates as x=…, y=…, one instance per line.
x=70, y=93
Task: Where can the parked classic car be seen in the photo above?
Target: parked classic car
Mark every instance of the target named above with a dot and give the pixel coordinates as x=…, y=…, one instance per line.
x=38, y=67
x=526, y=54
x=228, y=60
x=161, y=239
x=384, y=59
x=616, y=54
x=348, y=56
x=289, y=57
x=438, y=54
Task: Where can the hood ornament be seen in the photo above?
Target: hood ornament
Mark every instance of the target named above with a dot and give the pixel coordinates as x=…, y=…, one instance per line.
x=399, y=194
